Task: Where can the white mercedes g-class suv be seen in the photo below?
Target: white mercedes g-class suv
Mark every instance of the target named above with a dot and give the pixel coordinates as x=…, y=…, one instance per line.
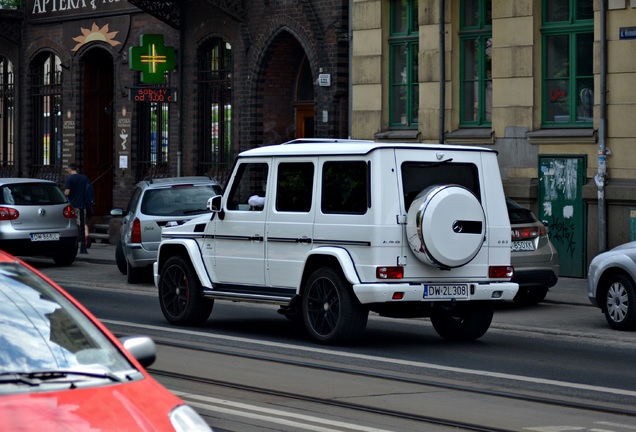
x=332, y=229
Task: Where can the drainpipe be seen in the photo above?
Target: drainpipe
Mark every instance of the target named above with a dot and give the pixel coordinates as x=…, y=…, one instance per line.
x=601, y=176
x=442, y=71
x=350, y=67
x=181, y=81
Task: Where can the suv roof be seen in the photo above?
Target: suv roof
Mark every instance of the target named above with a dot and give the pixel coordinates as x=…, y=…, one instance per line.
x=313, y=147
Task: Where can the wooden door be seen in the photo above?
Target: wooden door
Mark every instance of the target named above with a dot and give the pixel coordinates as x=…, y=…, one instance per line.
x=97, y=151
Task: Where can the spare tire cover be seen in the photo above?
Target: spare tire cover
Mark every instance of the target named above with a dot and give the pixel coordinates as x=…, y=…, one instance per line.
x=445, y=226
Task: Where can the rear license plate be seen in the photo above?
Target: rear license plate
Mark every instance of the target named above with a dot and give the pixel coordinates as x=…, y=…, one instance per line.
x=45, y=237
x=524, y=245
x=457, y=291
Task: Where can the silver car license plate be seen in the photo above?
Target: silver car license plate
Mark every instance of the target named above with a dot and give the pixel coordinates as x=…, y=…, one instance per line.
x=45, y=236
x=524, y=245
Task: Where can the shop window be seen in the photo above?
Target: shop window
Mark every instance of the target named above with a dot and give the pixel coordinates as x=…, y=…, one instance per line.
x=153, y=138
x=215, y=107
x=7, y=117
x=568, y=79
x=46, y=95
x=404, y=62
x=476, y=63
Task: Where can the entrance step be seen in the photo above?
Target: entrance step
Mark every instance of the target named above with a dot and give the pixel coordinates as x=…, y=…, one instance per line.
x=99, y=233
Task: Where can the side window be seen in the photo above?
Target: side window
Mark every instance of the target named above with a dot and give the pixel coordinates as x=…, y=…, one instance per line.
x=476, y=63
x=404, y=63
x=295, y=187
x=567, y=40
x=134, y=199
x=417, y=176
x=345, y=187
x=248, y=188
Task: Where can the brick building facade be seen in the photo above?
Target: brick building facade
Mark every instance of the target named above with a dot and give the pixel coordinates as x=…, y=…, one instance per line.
x=246, y=74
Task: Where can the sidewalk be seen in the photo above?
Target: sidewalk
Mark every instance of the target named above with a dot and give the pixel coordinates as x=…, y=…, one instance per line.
x=98, y=253
x=567, y=290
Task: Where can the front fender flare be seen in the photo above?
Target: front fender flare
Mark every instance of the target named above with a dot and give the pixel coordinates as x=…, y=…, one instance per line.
x=186, y=247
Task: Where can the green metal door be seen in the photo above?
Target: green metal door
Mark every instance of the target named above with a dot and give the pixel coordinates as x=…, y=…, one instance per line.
x=560, y=205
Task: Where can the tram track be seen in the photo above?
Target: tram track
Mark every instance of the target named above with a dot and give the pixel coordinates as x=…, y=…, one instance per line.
x=362, y=373
x=333, y=403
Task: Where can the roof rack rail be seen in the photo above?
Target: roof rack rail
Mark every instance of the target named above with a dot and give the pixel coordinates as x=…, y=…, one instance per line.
x=324, y=140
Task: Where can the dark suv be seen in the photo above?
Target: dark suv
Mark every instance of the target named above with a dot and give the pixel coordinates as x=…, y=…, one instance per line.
x=153, y=204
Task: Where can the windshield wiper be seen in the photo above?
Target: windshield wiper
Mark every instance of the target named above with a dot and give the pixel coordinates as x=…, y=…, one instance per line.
x=17, y=378
x=34, y=378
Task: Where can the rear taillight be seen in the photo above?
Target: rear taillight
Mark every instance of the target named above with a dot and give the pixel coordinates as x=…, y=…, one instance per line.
x=389, y=272
x=528, y=233
x=498, y=272
x=8, y=213
x=135, y=235
x=69, y=212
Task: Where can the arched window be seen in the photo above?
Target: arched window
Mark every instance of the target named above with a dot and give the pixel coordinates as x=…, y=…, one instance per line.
x=46, y=95
x=215, y=91
x=7, y=117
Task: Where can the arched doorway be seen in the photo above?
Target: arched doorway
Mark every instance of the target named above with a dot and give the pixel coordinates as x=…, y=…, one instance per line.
x=97, y=135
x=287, y=91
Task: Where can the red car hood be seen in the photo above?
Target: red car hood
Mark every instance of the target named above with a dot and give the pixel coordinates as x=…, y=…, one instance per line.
x=141, y=405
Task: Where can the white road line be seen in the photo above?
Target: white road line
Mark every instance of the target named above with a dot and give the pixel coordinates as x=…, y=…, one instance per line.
x=270, y=415
x=410, y=363
x=618, y=425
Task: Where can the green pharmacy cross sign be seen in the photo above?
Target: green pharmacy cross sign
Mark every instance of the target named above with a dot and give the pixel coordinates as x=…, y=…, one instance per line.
x=152, y=58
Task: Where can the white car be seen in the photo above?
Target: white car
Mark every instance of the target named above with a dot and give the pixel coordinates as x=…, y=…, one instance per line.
x=611, y=286
x=348, y=227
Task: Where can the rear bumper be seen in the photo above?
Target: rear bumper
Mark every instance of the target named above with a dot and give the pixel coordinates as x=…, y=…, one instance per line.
x=26, y=247
x=383, y=293
x=534, y=279
x=137, y=256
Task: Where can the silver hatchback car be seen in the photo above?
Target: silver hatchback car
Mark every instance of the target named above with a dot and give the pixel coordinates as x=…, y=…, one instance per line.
x=535, y=259
x=153, y=204
x=36, y=219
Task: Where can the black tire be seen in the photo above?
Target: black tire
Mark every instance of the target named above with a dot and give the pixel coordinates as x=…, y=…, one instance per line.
x=135, y=275
x=461, y=322
x=530, y=297
x=120, y=258
x=331, y=313
x=180, y=294
x=620, y=302
x=66, y=258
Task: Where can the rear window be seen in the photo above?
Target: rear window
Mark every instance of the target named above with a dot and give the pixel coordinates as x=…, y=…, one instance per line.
x=178, y=200
x=32, y=194
x=417, y=176
x=519, y=214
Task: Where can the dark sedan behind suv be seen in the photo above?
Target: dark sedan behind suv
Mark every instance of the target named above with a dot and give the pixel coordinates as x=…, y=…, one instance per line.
x=533, y=256
x=153, y=204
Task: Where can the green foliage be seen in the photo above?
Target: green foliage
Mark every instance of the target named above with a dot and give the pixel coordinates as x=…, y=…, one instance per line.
x=10, y=4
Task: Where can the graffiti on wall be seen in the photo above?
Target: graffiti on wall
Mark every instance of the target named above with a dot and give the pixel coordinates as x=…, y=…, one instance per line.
x=560, y=185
